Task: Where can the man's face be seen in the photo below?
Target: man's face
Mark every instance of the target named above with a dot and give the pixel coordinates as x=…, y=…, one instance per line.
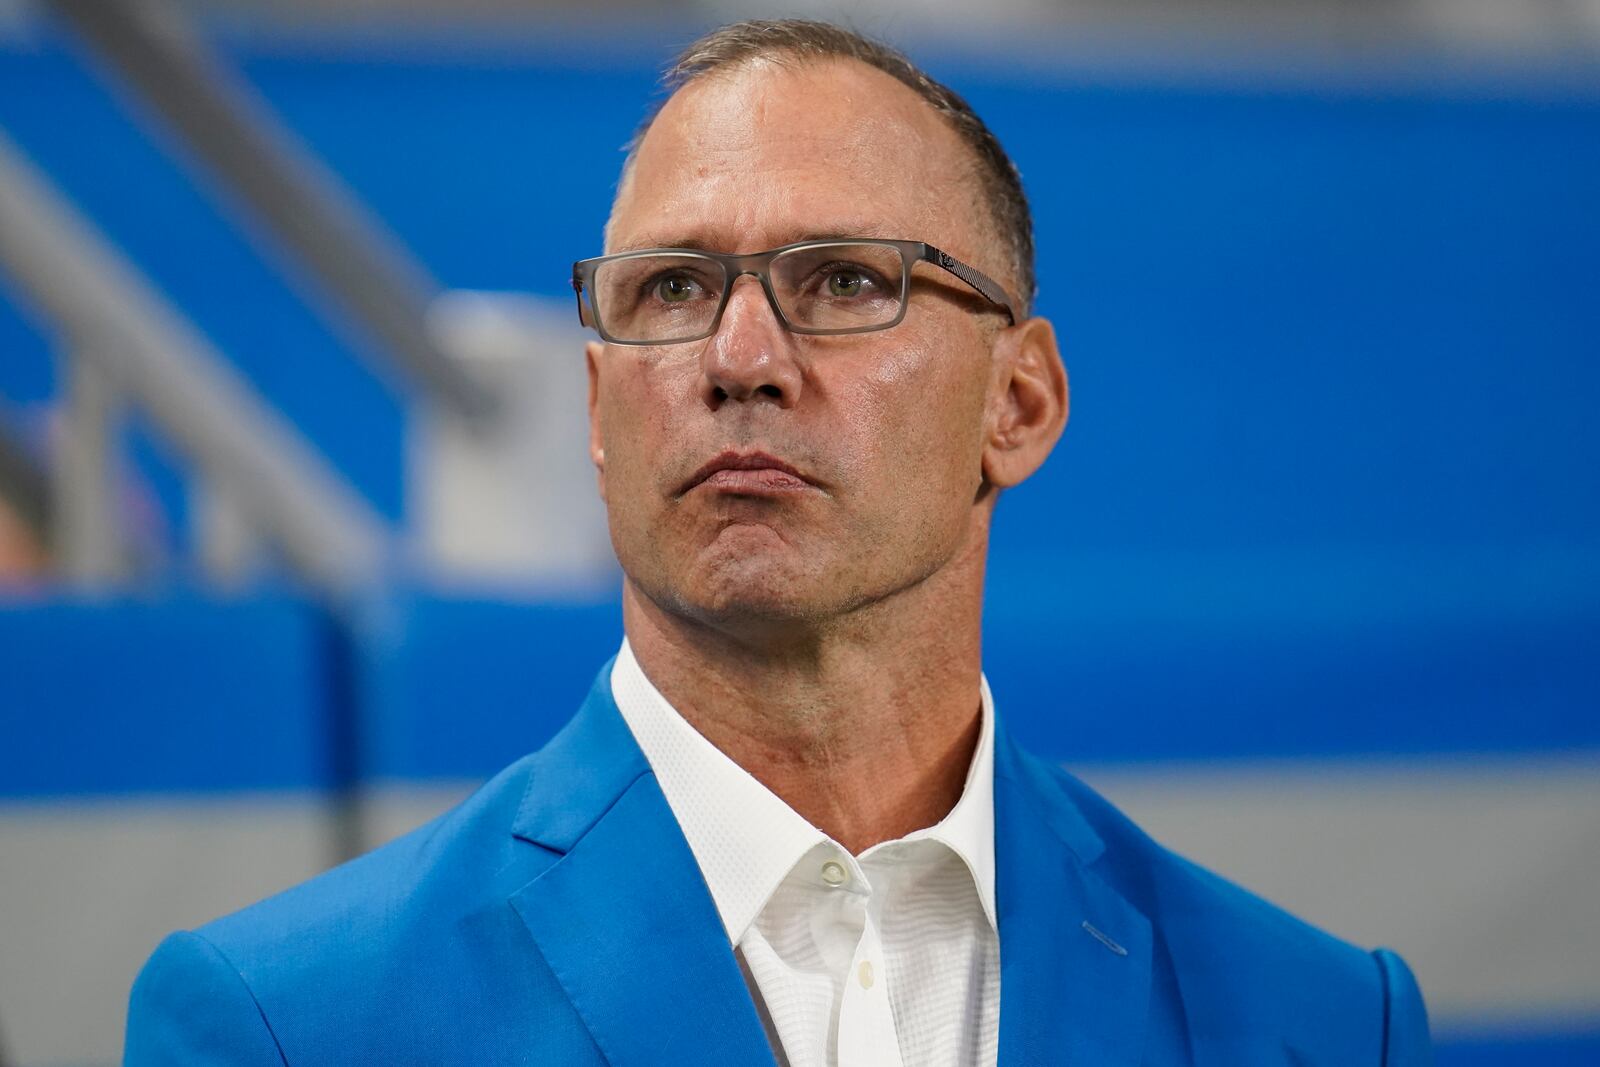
x=886, y=429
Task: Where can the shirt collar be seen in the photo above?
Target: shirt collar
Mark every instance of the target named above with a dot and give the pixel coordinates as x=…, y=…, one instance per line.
x=968, y=829
x=745, y=838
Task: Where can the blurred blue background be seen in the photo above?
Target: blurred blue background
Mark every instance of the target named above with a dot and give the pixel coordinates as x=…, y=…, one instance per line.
x=1324, y=521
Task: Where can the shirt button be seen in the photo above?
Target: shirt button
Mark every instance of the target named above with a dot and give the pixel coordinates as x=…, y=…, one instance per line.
x=864, y=974
x=834, y=874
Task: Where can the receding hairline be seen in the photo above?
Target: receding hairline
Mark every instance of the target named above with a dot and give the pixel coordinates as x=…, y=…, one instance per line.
x=781, y=60
x=982, y=173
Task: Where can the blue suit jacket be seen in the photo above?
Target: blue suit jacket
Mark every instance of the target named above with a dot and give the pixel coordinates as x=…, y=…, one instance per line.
x=558, y=917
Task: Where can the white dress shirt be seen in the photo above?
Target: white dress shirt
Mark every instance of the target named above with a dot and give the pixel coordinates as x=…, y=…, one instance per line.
x=887, y=959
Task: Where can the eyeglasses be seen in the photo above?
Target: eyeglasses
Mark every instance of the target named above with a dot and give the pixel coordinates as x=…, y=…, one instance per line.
x=670, y=295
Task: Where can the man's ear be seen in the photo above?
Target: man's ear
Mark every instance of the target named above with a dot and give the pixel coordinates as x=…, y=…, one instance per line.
x=592, y=352
x=1031, y=402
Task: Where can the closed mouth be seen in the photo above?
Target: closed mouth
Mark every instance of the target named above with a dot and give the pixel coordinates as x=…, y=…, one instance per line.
x=748, y=472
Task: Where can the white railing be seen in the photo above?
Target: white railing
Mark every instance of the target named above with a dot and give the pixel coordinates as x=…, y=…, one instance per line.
x=123, y=345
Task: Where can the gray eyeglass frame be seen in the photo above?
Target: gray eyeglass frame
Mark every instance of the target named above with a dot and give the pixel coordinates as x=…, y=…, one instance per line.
x=758, y=264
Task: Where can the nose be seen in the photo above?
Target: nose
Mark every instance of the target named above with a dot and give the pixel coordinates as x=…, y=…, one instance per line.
x=751, y=357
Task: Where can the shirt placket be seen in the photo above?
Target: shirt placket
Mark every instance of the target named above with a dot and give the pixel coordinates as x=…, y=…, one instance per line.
x=867, y=1034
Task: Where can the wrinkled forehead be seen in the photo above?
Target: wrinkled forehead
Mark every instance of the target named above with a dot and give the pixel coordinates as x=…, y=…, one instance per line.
x=767, y=153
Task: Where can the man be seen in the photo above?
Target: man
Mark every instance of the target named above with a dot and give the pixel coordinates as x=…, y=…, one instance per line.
x=788, y=823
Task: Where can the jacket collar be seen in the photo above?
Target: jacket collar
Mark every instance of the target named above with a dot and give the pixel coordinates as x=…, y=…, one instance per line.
x=1075, y=955
x=580, y=772
x=624, y=918
x=627, y=925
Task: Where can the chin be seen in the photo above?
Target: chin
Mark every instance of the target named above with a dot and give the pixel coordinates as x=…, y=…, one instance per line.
x=752, y=590
x=751, y=580
x=748, y=594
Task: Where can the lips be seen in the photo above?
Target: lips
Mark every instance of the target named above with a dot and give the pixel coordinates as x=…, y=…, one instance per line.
x=753, y=473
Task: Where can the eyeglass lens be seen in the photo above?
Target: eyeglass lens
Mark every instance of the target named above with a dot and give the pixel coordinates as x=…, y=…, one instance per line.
x=666, y=297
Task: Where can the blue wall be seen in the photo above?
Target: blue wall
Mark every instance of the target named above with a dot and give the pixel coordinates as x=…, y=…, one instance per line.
x=172, y=695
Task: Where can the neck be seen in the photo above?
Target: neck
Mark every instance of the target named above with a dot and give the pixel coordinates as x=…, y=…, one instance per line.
x=865, y=725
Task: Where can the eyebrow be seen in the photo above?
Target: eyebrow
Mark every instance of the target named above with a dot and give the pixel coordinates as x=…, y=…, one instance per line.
x=701, y=243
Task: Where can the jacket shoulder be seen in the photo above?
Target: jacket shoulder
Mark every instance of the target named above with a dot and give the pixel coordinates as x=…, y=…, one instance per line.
x=385, y=937
x=369, y=900
x=190, y=1006
x=1233, y=966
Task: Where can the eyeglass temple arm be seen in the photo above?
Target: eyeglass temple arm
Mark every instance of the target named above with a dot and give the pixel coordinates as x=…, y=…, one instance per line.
x=577, y=290
x=973, y=277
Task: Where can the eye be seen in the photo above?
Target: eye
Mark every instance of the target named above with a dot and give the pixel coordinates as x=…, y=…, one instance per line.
x=675, y=288
x=846, y=283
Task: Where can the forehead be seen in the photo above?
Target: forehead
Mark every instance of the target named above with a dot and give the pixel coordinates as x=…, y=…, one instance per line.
x=767, y=153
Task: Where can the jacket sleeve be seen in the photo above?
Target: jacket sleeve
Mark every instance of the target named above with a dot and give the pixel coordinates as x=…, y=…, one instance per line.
x=1405, y=1020
x=190, y=1006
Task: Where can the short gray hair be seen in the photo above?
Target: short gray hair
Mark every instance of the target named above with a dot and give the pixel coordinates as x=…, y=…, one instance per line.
x=999, y=183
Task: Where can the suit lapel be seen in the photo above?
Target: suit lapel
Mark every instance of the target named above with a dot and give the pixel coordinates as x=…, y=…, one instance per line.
x=624, y=918
x=1075, y=956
